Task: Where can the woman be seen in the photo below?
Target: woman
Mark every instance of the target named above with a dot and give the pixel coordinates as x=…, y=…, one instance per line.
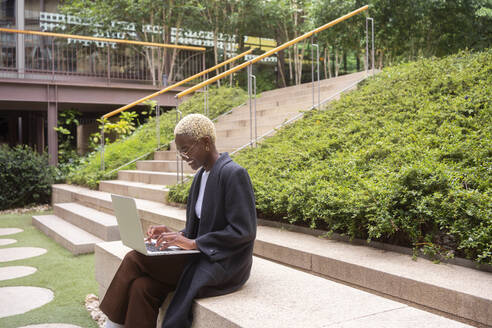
x=220, y=223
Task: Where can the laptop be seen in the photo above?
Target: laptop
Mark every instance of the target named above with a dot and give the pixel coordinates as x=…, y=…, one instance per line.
x=131, y=232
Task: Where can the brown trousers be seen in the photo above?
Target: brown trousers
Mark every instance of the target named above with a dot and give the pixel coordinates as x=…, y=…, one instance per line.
x=140, y=286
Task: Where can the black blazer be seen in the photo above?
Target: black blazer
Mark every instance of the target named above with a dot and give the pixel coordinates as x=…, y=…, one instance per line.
x=224, y=235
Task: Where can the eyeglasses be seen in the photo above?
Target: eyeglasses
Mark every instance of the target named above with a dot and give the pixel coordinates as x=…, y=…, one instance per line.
x=186, y=154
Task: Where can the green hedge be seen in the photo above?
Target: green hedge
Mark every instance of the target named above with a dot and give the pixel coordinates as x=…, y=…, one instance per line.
x=406, y=159
x=143, y=140
x=25, y=177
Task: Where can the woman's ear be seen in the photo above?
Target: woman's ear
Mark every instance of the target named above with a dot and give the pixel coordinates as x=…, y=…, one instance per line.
x=207, y=142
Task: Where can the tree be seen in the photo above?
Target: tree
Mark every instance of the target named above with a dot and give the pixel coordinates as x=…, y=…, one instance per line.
x=345, y=37
x=137, y=19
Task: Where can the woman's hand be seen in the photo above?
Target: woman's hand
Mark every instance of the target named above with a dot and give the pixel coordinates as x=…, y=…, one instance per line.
x=167, y=239
x=155, y=231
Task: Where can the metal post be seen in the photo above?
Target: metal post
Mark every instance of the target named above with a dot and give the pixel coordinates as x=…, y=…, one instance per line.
x=20, y=46
x=178, y=158
x=250, y=94
x=102, y=146
x=317, y=72
x=206, y=97
x=372, y=24
x=312, y=68
x=52, y=59
x=367, y=44
x=253, y=77
x=108, y=64
x=157, y=125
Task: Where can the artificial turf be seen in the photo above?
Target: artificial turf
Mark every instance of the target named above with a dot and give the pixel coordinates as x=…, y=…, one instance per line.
x=70, y=277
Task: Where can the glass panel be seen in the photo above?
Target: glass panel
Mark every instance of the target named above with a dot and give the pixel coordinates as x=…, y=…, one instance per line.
x=7, y=13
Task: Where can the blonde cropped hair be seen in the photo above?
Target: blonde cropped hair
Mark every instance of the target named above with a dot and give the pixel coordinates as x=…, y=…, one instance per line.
x=196, y=126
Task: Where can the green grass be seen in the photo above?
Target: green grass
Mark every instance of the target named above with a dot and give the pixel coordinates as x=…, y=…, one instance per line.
x=70, y=277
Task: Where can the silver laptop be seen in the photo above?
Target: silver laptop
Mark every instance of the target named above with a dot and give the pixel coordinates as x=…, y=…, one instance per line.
x=131, y=232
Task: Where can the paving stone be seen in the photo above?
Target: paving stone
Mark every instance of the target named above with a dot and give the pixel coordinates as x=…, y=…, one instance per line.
x=12, y=272
x=20, y=253
x=9, y=231
x=20, y=299
x=51, y=325
x=4, y=242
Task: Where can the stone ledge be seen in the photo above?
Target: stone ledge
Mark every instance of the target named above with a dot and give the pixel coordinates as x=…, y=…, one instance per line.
x=450, y=288
x=279, y=296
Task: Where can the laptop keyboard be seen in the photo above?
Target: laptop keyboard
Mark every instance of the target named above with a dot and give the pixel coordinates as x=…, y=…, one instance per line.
x=154, y=248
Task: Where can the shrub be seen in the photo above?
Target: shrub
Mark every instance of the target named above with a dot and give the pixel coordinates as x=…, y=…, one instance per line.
x=143, y=140
x=25, y=177
x=405, y=159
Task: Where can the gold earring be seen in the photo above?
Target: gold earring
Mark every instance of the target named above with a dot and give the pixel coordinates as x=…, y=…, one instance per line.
x=206, y=148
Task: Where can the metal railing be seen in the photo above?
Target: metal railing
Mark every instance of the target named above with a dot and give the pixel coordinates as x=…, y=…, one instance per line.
x=300, y=115
x=271, y=52
x=251, y=77
x=160, y=92
x=57, y=56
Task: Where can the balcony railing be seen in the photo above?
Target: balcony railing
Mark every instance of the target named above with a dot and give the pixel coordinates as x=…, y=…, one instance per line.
x=54, y=58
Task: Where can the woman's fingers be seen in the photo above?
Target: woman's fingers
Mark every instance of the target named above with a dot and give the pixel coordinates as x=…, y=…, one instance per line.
x=167, y=239
x=154, y=231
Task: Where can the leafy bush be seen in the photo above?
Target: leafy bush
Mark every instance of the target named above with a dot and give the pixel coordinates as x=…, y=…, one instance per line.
x=25, y=177
x=143, y=140
x=405, y=159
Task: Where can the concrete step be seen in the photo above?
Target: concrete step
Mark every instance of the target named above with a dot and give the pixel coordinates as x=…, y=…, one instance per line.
x=166, y=155
x=100, y=224
x=220, y=149
x=157, y=193
x=279, y=296
x=162, y=166
x=149, y=177
x=241, y=123
x=335, y=81
x=261, y=128
x=150, y=212
x=73, y=238
x=262, y=114
x=453, y=289
x=283, y=95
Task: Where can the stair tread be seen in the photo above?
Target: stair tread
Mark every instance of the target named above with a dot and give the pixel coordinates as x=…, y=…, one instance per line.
x=89, y=213
x=160, y=173
x=142, y=204
x=136, y=184
x=422, y=271
x=73, y=234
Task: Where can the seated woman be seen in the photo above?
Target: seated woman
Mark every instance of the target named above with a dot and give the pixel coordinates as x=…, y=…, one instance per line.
x=220, y=223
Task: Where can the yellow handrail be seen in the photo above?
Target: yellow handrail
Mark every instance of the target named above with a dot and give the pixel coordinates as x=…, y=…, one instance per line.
x=93, y=38
x=141, y=100
x=271, y=52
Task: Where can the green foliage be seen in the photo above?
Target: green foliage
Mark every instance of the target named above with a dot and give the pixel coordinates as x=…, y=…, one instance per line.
x=179, y=193
x=143, y=140
x=68, y=121
x=25, y=177
x=405, y=159
x=118, y=129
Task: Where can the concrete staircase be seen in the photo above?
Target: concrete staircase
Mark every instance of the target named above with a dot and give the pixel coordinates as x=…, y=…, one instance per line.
x=150, y=179
x=297, y=280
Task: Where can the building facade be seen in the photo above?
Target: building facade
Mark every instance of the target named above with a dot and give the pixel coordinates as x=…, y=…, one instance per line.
x=41, y=76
